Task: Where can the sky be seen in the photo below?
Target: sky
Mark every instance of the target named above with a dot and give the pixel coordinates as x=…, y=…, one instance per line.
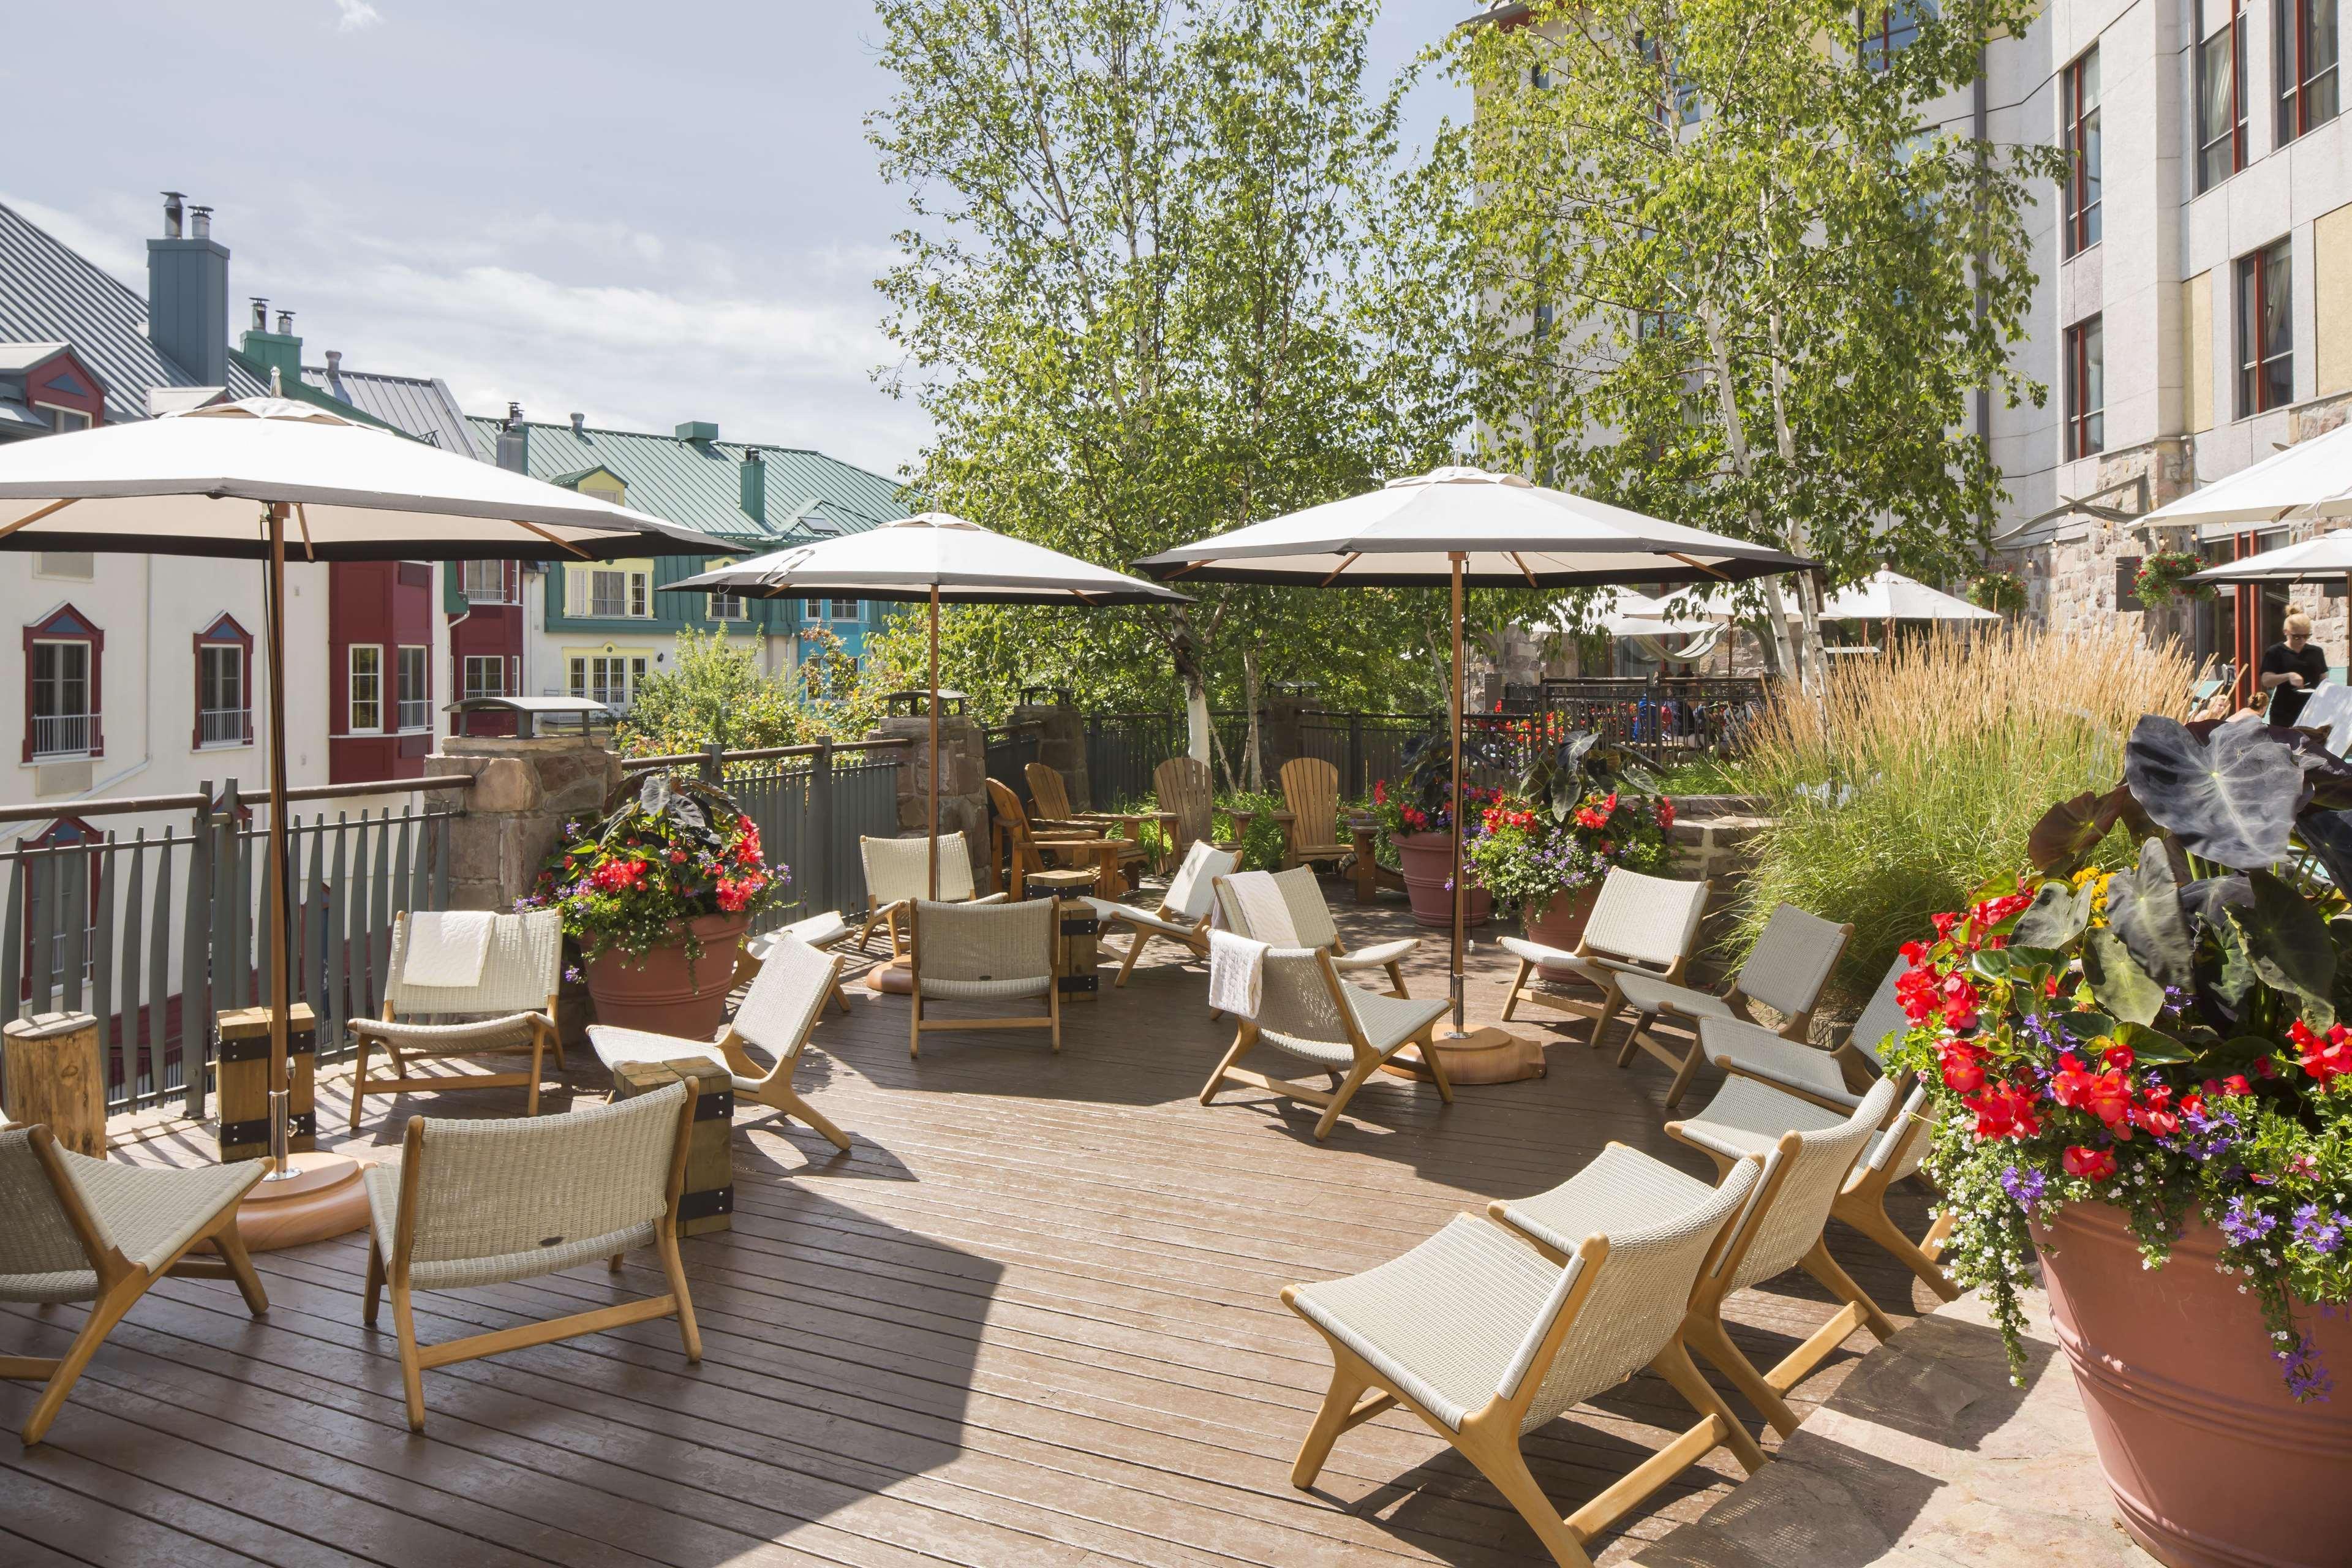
x=646, y=214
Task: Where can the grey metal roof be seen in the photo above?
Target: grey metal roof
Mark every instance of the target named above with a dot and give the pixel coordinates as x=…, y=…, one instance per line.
x=16, y=358
x=420, y=405
x=50, y=292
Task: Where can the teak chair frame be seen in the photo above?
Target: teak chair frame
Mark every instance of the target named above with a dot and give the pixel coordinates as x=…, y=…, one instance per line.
x=1186, y=791
x=916, y=1023
x=1367, y=1060
x=1310, y=792
x=545, y=1037
x=1611, y=996
x=1049, y=799
x=1193, y=938
x=416, y=1360
x=1796, y=1026
x=1022, y=852
x=121, y=1283
x=890, y=913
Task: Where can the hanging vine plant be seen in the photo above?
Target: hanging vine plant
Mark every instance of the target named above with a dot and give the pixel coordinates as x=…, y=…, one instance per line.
x=2164, y=577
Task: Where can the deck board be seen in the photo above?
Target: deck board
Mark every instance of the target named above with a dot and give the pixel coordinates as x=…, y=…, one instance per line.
x=1030, y=1318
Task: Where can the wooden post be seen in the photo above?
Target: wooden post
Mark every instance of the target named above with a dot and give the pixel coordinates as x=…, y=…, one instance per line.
x=54, y=1075
x=242, y=1066
x=707, y=1203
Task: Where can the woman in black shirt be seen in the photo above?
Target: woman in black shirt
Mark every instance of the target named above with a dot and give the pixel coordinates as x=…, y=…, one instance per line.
x=2292, y=668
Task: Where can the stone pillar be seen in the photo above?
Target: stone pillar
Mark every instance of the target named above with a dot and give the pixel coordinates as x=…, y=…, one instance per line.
x=1278, y=733
x=963, y=774
x=524, y=792
x=1061, y=746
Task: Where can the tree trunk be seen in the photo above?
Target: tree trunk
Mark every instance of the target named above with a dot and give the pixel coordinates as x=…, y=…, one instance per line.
x=1198, y=731
x=1254, y=763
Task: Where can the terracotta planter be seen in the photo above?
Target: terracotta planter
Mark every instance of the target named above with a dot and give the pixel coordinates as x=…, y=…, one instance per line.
x=1428, y=863
x=1561, y=923
x=663, y=992
x=2211, y=1463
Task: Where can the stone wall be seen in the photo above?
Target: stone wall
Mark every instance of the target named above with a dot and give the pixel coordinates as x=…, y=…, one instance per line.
x=1713, y=839
x=1061, y=746
x=524, y=792
x=964, y=777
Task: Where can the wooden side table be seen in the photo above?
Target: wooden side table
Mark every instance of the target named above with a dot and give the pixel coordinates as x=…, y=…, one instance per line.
x=707, y=1202
x=1076, y=928
x=241, y=1077
x=55, y=1074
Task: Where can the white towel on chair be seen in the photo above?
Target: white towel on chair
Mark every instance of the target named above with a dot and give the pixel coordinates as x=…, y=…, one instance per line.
x=1236, y=974
x=1263, y=908
x=446, y=949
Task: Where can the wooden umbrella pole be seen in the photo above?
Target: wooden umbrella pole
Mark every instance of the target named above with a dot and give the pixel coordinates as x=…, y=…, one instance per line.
x=1453, y=706
x=281, y=978
x=935, y=743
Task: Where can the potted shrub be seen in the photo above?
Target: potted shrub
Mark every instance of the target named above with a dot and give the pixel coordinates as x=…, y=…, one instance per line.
x=2164, y=576
x=2145, y=1074
x=658, y=897
x=1416, y=821
x=1544, y=849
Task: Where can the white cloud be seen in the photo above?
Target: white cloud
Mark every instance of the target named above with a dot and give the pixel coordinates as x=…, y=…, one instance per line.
x=356, y=16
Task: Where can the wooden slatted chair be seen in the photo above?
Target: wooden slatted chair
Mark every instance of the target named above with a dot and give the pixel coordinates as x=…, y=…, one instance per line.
x=898, y=871
x=782, y=1005
x=1344, y=1030
x=1049, y=799
x=1187, y=806
x=1310, y=790
x=478, y=1203
x=1021, y=852
x=1311, y=924
x=1487, y=1340
x=1647, y=922
x=1785, y=970
x=510, y=1008
x=1182, y=916
x=77, y=1229
x=966, y=953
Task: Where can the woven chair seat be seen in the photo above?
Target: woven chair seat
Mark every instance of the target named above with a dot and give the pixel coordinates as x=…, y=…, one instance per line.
x=1106, y=910
x=1555, y=957
x=986, y=989
x=1614, y=1194
x=818, y=931
x=1445, y=1320
x=1646, y=993
x=1751, y=1049
x=458, y=1274
x=148, y=1214
x=1377, y=955
x=617, y=1047
x=1748, y=1118
x=1387, y=1022
x=513, y=1032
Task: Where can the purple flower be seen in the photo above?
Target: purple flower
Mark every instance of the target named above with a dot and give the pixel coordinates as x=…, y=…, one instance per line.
x=572, y=973
x=2024, y=1187
x=2209, y=1133
x=2306, y=1377
x=2322, y=1234
x=2033, y=1027
x=2244, y=1223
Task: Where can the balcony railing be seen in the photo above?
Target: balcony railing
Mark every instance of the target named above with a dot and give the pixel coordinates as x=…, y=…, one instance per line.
x=63, y=734
x=415, y=713
x=223, y=726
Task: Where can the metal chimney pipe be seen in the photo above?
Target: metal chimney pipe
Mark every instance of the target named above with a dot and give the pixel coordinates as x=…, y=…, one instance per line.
x=171, y=200
x=286, y=323
x=200, y=223
x=260, y=314
x=579, y=422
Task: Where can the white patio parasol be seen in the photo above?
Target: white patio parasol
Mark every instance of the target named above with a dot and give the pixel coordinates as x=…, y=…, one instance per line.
x=1467, y=528
x=1888, y=595
x=2314, y=559
x=255, y=479
x=931, y=558
x=2309, y=480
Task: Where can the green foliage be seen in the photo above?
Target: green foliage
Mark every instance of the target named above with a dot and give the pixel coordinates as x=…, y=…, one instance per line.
x=2004, y=592
x=713, y=691
x=1262, y=849
x=2164, y=576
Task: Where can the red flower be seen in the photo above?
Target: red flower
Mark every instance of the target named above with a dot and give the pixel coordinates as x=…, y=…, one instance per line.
x=1665, y=811
x=1944, y=924
x=1379, y=792
x=2236, y=1084
x=1959, y=1001
x=2157, y=1117
x=1963, y=1067
x=1914, y=954
x=2325, y=1059
x=1588, y=817
x=2118, y=1056
x=677, y=856
x=2005, y=1110
x=2070, y=1086
x=2095, y=1164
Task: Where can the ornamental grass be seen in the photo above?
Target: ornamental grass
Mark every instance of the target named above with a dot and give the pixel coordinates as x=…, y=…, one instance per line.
x=1918, y=775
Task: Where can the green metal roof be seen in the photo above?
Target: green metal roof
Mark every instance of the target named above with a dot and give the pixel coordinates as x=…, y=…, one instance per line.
x=699, y=484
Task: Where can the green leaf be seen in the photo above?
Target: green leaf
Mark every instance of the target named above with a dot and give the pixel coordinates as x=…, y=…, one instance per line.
x=2143, y=907
x=2056, y=917
x=2122, y=986
x=2083, y=1026
x=2231, y=798
x=2067, y=832
x=2234, y=980
x=2154, y=1048
x=2287, y=940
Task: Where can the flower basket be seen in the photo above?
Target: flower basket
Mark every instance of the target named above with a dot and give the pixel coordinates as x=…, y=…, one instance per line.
x=1559, y=923
x=2163, y=577
x=663, y=989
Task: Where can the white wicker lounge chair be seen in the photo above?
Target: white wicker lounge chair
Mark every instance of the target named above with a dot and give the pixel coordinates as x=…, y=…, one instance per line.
x=511, y=1008
x=1837, y=1079
x=824, y=932
x=1649, y=922
x=1182, y=916
x=1345, y=1030
x=1310, y=919
x=1485, y=1339
x=1809, y=1154
x=898, y=871
x=778, y=1012
x=491, y=1202
x=1785, y=970
x=984, y=952
x=77, y=1229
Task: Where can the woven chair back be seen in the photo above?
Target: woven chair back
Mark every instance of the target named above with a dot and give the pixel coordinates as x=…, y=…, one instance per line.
x=520, y=971
x=1642, y=1288
x=795, y=983
x=1784, y=1230
x=1191, y=891
x=1791, y=960
x=1048, y=792
x=496, y=1188
x=898, y=868
x=1311, y=789
x=1296, y=1000
x=1302, y=895
x=1902, y=1148
x=35, y=1236
x=1882, y=1016
x=1646, y=920
x=1188, y=792
x=984, y=944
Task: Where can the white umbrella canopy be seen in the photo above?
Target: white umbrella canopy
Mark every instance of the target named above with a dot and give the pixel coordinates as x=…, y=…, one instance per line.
x=2329, y=555
x=2310, y=480
x=1888, y=595
x=194, y=483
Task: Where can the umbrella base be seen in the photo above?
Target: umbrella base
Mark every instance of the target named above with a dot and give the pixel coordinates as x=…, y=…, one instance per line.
x=895, y=978
x=1481, y=1057
x=324, y=1198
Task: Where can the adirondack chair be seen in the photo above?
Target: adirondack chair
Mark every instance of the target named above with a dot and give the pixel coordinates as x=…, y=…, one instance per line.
x=1311, y=789
x=1021, y=853
x=1188, y=800
x=1050, y=811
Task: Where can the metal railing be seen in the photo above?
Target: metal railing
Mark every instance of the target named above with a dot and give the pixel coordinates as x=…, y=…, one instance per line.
x=1660, y=716
x=63, y=734
x=157, y=931
x=415, y=713
x=223, y=726
x=1010, y=749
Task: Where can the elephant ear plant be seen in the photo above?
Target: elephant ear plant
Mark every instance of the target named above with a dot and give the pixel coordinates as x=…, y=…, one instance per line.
x=2169, y=1038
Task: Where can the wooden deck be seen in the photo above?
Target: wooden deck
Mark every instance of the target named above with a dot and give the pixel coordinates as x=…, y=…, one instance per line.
x=1029, y=1318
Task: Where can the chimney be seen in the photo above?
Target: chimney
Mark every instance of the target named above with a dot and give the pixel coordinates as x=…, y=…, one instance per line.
x=700, y=430
x=755, y=484
x=276, y=357
x=514, y=441
x=335, y=373
x=187, y=294
x=286, y=323
x=579, y=422
x=260, y=314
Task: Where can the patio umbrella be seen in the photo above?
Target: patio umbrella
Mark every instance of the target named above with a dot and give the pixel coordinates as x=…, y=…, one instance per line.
x=2313, y=559
x=931, y=558
x=255, y=479
x=1467, y=528
x=2309, y=480
x=1888, y=595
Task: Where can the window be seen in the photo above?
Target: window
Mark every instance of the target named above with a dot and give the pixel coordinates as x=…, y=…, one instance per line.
x=2265, y=330
x=2079, y=84
x=486, y=675
x=64, y=419
x=2221, y=98
x=80, y=565
x=2086, y=391
x=1887, y=33
x=727, y=606
x=415, y=688
x=366, y=694
x=486, y=582
x=842, y=609
x=609, y=678
x=64, y=656
x=618, y=591
x=2302, y=36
